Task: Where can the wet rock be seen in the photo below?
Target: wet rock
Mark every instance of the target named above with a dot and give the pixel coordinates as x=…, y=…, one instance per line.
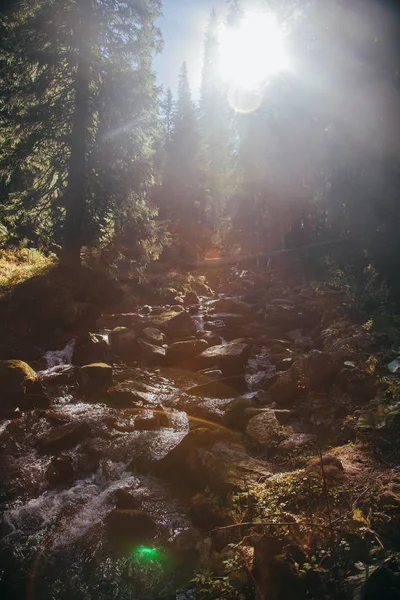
x=129, y=527
x=194, y=309
x=180, y=351
x=308, y=373
x=210, y=457
x=125, y=500
x=191, y=298
x=121, y=320
x=95, y=377
x=211, y=374
x=61, y=470
x=213, y=325
x=64, y=437
x=60, y=375
x=235, y=414
x=384, y=582
x=124, y=395
x=91, y=454
x=205, y=513
x=152, y=420
x=232, y=320
x=228, y=357
x=151, y=354
x=153, y=336
x=227, y=387
x=265, y=431
x=186, y=545
x=90, y=348
x=212, y=338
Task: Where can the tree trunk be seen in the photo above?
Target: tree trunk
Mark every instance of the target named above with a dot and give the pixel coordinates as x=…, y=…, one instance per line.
x=75, y=195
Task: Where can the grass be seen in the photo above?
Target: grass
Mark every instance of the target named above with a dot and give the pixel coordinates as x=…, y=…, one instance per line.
x=17, y=265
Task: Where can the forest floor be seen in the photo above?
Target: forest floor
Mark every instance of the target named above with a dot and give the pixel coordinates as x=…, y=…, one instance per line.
x=224, y=434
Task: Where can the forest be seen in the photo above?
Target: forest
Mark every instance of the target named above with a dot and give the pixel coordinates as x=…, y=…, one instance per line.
x=200, y=300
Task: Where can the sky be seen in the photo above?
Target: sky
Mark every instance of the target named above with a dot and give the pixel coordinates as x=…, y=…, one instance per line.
x=183, y=26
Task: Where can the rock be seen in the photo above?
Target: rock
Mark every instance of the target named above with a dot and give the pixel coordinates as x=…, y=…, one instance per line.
x=308, y=373
x=153, y=336
x=232, y=319
x=384, y=582
x=235, y=415
x=61, y=470
x=191, y=298
x=146, y=421
x=90, y=348
x=64, y=437
x=211, y=458
x=18, y=381
x=59, y=375
x=332, y=464
x=95, y=377
x=125, y=500
x=229, y=357
x=211, y=374
x=265, y=431
x=194, y=309
x=297, y=441
x=125, y=395
x=151, y=354
x=186, y=545
x=121, y=320
x=231, y=305
x=124, y=341
x=212, y=338
x=181, y=351
x=213, y=325
x=228, y=387
x=130, y=527
x=176, y=324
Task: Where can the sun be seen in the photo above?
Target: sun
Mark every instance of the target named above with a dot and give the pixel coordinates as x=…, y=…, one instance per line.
x=252, y=51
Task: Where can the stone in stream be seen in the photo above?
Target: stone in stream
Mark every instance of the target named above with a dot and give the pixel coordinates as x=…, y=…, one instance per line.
x=124, y=341
x=64, y=437
x=227, y=387
x=151, y=354
x=95, y=377
x=60, y=470
x=153, y=419
x=153, y=336
x=228, y=357
x=90, y=348
x=191, y=298
x=212, y=338
x=181, y=351
x=236, y=416
x=214, y=458
x=125, y=395
x=125, y=500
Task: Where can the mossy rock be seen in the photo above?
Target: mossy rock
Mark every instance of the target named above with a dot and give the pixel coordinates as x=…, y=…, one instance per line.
x=15, y=375
x=96, y=376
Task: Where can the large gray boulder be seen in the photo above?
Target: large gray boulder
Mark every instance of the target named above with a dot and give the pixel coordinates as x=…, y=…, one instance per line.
x=181, y=351
x=228, y=357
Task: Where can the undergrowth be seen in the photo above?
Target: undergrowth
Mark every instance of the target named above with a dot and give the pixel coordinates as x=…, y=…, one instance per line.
x=17, y=265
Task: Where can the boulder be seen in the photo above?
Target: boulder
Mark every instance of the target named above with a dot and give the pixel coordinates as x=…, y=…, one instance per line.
x=152, y=419
x=90, y=348
x=19, y=384
x=60, y=470
x=332, y=465
x=181, y=351
x=213, y=458
x=212, y=338
x=64, y=437
x=297, y=442
x=124, y=342
x=151, y=354
x=153, y=336
x=227, y=387
x=175, y=322
x=127, y=527
x=125, y=500
x=235, y=414
x=191, y=298
x=95, y=377
x=210, y=374
x=228, y=357
x=265, y=431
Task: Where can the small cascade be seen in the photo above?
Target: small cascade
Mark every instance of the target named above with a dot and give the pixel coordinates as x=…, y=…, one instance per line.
x=55, y=358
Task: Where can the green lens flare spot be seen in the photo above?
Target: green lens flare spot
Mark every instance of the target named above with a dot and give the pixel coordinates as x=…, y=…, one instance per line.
x=144, y=553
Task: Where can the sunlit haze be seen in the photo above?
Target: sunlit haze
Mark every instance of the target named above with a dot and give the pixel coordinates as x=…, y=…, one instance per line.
x=252, y=51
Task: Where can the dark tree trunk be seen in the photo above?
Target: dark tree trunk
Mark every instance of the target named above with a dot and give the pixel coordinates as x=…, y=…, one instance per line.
x=76, y=191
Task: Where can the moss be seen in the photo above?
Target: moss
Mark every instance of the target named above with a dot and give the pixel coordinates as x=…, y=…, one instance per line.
x=15, y=374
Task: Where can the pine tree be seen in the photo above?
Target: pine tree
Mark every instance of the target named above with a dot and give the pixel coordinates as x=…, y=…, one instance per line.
x=79, y=103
